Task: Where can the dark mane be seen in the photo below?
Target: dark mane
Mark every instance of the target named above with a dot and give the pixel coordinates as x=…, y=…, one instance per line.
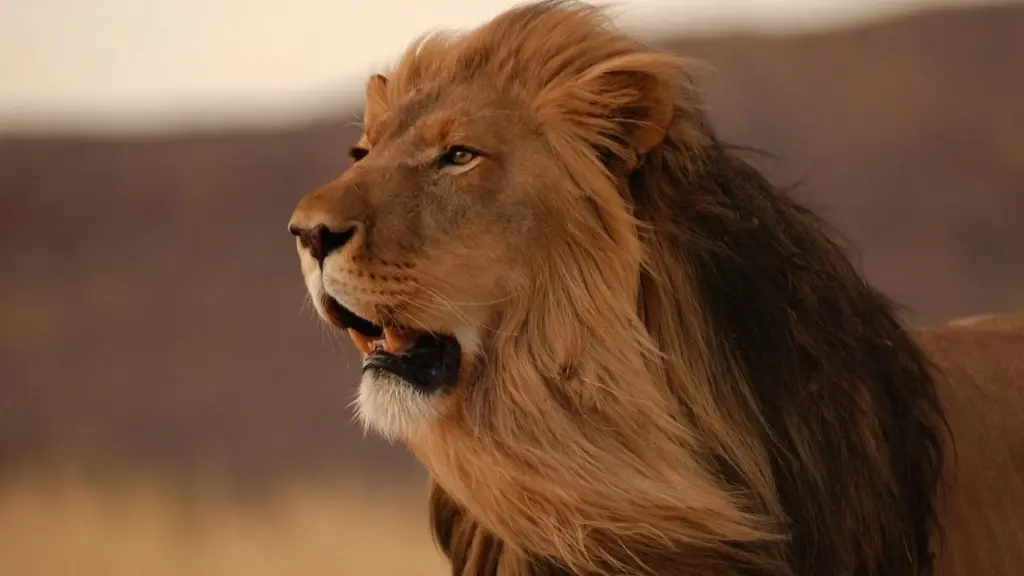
x=853, y=422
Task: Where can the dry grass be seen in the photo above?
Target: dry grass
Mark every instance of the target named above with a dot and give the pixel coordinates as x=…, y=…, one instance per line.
x=131, y=526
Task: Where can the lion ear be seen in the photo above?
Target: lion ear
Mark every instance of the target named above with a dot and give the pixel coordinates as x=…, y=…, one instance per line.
x=624, y=107
x=644, y=121
x=376, y=99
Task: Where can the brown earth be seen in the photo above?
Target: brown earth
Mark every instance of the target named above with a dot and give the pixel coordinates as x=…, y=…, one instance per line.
x=151, y=308
x=52, y=524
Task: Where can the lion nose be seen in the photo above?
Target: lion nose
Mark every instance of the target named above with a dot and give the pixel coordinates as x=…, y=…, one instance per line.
x=320, y=240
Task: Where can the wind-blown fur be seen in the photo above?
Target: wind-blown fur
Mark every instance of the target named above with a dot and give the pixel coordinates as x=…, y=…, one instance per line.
x=710, y=388
x=685, y=375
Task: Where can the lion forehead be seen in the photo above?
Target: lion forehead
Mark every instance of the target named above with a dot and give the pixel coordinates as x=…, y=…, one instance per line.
x=462, y=117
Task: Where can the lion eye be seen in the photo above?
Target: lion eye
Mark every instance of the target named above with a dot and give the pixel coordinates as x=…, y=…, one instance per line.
x=457, y=156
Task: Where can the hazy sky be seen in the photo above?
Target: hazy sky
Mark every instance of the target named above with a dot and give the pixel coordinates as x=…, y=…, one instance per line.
x=145, y=64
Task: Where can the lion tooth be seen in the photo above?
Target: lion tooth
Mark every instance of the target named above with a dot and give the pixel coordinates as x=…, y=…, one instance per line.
x=391, y=341
x=361, y=342
x=395, y=342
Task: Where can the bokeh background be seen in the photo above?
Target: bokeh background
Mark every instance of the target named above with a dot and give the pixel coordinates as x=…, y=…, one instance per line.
x=168, y=402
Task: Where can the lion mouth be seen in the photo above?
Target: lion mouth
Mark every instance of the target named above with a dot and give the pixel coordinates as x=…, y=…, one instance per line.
x=426, y=360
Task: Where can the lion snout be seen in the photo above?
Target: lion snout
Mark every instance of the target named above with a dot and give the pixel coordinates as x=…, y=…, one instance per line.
x=329, y=219
x=320, y=240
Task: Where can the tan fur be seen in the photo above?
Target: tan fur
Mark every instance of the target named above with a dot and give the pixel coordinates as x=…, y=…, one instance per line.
x=613, y=414
x=982, y=512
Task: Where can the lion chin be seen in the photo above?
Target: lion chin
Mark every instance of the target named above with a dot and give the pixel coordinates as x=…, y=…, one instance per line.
x=403, y=368
x=619, y=349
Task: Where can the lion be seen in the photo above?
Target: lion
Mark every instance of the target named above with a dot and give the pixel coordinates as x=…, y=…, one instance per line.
x=617, y=348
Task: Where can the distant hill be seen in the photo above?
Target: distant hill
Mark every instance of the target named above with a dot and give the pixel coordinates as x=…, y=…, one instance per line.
x=152, y=308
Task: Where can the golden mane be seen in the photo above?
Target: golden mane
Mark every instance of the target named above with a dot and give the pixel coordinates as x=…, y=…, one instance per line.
x=769, y=415
x=693, y=379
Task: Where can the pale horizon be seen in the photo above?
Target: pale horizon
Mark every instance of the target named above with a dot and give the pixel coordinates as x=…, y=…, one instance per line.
x=167, y=65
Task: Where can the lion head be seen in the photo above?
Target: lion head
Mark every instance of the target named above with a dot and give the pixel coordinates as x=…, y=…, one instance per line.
x=615, y=347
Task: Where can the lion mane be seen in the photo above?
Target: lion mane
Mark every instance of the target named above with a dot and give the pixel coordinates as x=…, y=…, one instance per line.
x=769, y=414
x=700, y=384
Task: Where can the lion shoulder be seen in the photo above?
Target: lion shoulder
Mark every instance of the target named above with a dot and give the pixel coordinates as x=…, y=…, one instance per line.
x=981, y=387
x=984, y=350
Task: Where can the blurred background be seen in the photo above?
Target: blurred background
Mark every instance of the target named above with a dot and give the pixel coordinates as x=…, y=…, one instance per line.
x=168, y=402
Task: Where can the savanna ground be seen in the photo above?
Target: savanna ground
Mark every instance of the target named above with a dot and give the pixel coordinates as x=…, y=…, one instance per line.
x=126, y=524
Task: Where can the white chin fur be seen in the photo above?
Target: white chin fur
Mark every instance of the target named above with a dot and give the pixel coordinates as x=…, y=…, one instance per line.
x=391, y=407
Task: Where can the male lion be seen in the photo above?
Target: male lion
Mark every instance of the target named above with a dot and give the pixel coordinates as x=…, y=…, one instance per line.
x=619, y=350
